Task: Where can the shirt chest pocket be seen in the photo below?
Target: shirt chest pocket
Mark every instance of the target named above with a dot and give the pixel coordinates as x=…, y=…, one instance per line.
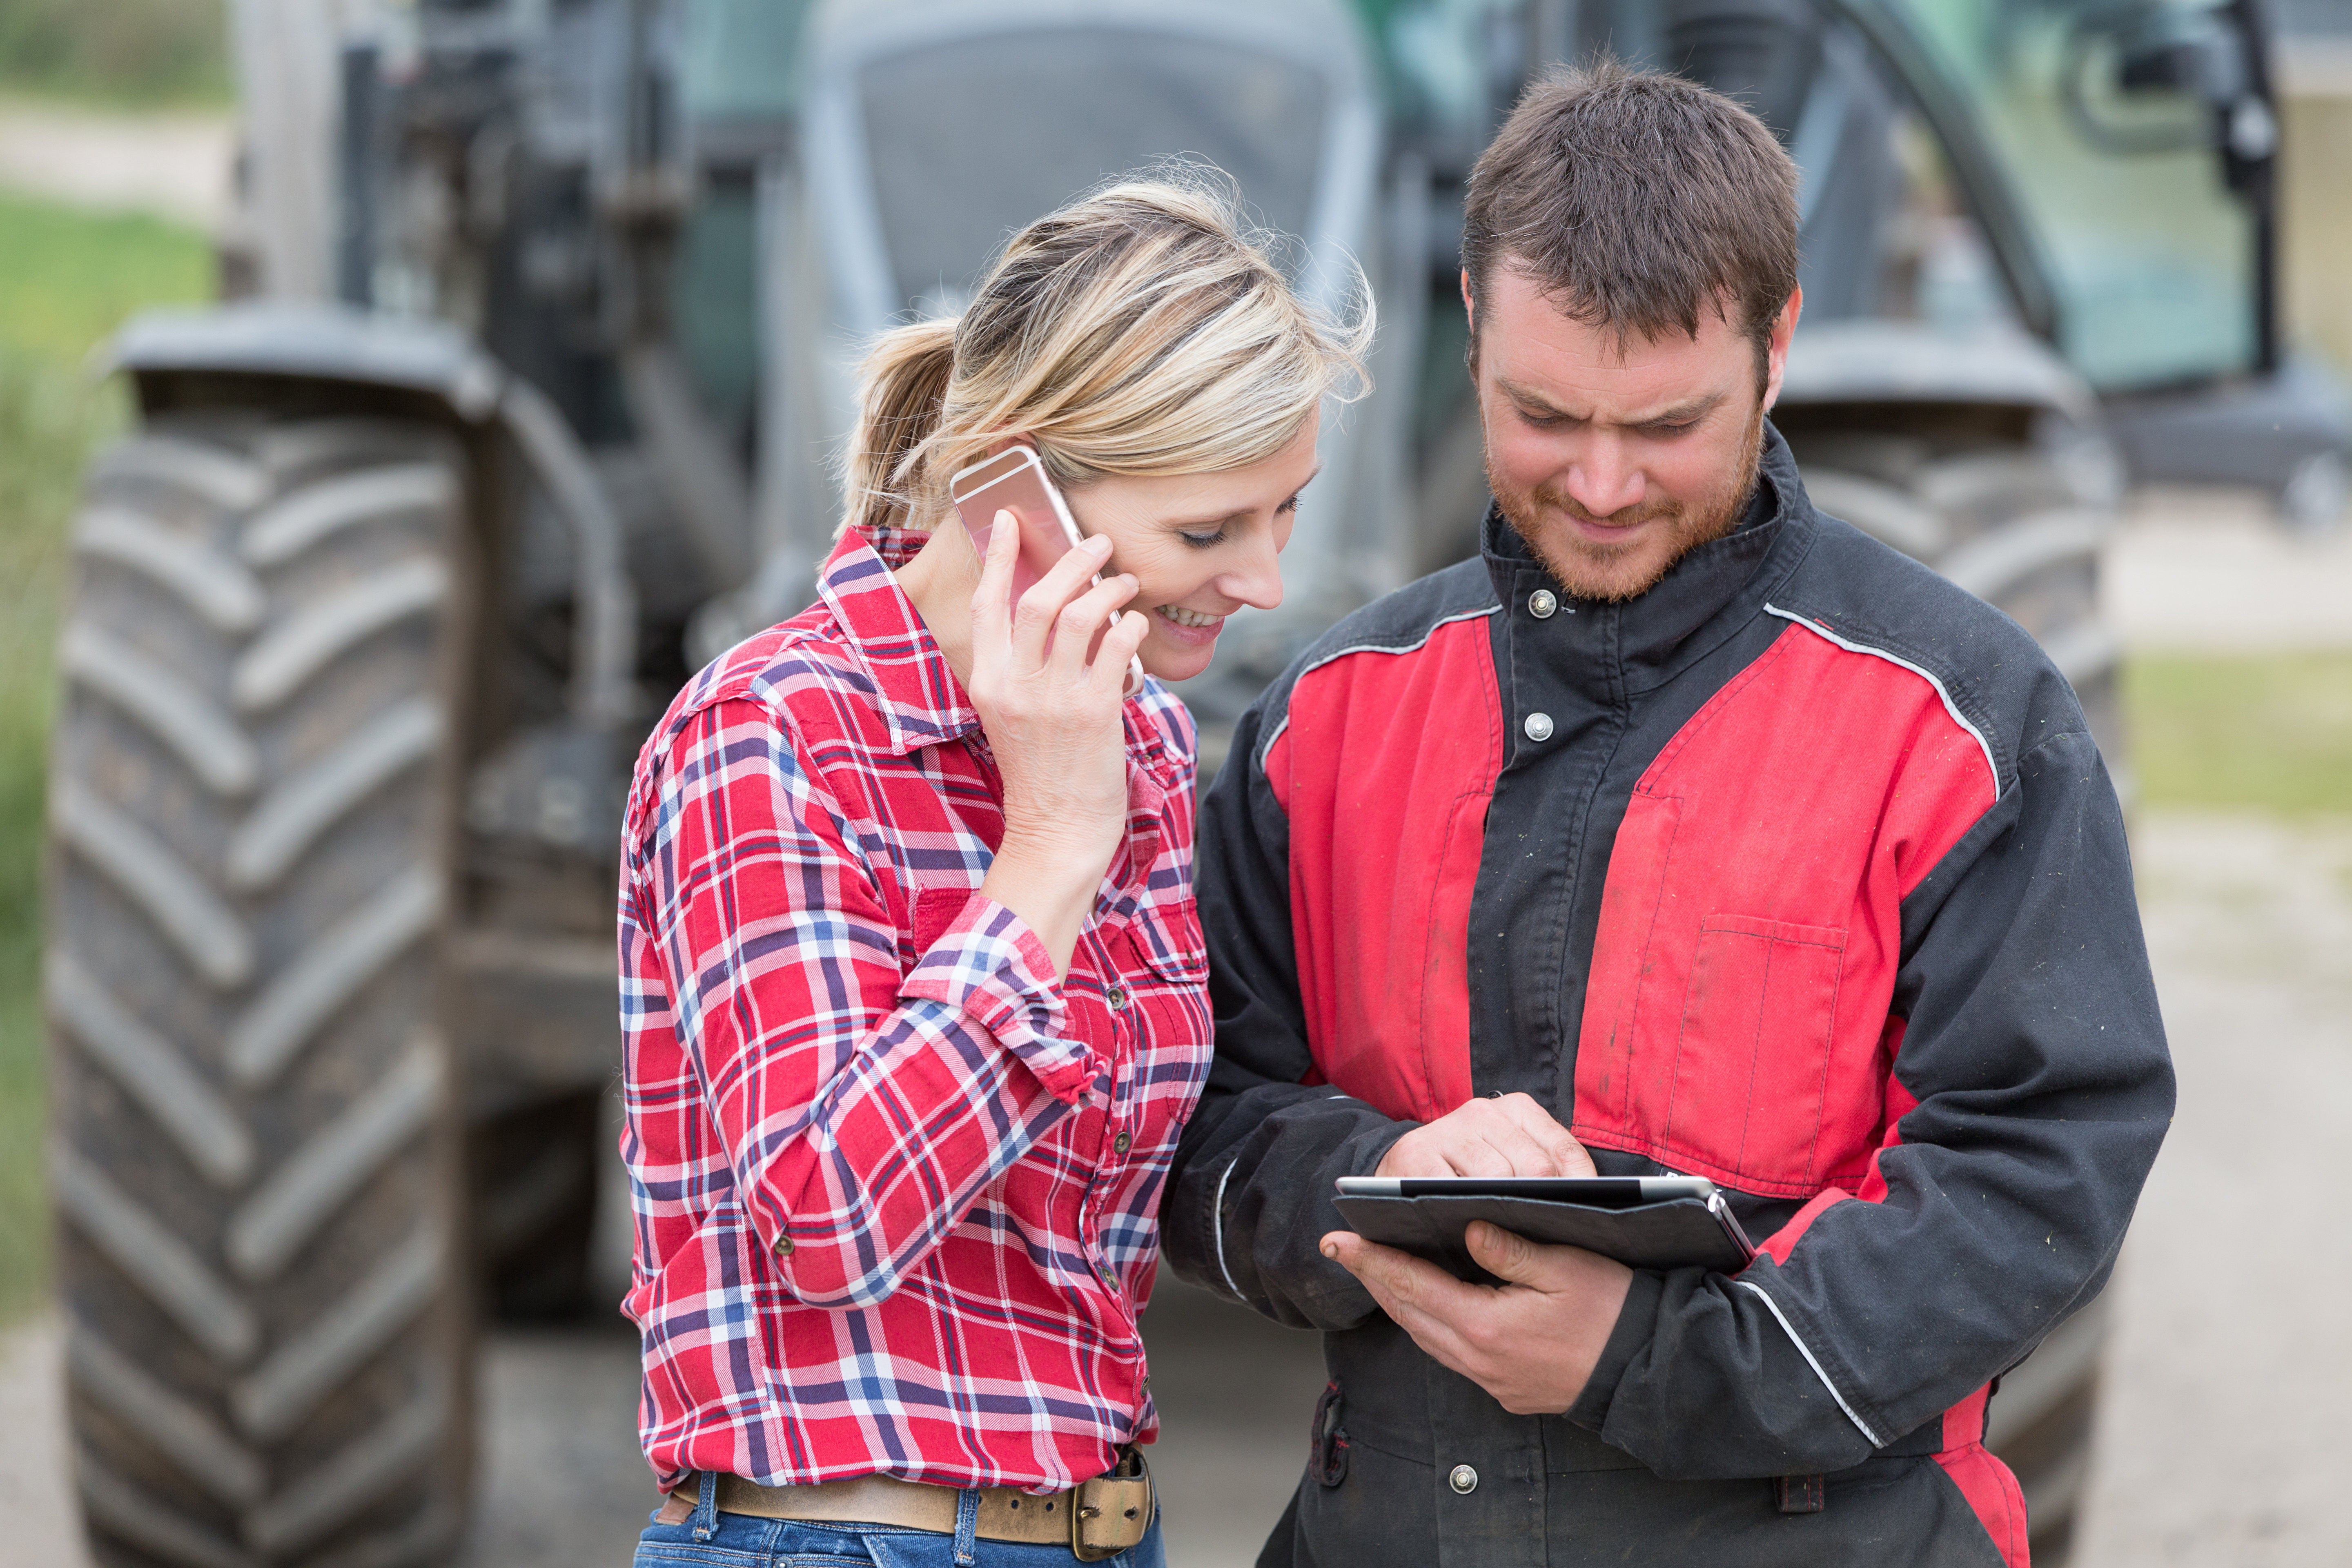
x=1169, y=975
x=1167, y=939
x=1751, y=1057
x=933, y=910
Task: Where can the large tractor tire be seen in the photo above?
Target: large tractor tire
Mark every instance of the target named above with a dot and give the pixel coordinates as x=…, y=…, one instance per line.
x=2015, y=527
x=256, y=1162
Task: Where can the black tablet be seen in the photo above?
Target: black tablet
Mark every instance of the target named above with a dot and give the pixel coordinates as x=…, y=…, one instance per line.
x=1601, y=1192
x=1644, y=1222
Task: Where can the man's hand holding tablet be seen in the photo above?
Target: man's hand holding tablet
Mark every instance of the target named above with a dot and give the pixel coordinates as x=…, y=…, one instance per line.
x=1532, y=1341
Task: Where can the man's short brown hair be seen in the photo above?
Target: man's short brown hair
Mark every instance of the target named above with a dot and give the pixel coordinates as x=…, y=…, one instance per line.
x=1635, y=200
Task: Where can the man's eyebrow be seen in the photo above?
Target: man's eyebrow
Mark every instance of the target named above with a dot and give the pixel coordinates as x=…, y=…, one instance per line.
x=1675, y=414
x=1682, y=412
x=1224, y=518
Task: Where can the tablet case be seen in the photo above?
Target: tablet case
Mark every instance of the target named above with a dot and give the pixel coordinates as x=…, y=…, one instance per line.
x=1676, y=1234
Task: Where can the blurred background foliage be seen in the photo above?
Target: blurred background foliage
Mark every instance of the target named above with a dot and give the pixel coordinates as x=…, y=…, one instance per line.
x=68, y=278
x=2267, y=731
x=147, y=52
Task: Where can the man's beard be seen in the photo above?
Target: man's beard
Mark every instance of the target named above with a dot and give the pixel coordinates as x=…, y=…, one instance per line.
x=1615, y=573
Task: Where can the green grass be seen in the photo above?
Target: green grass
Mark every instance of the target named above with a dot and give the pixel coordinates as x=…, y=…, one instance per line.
x=2267, y=731
x=146, y=54
x=66, y=280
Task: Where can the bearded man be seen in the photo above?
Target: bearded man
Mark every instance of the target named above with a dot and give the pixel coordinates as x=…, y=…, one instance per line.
x=1686, y=831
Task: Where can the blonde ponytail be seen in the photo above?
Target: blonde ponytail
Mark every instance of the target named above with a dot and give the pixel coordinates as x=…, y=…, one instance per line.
x=1142, y=330
x=901, y=388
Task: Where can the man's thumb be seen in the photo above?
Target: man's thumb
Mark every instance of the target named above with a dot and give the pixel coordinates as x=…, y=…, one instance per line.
x=1502, y=1253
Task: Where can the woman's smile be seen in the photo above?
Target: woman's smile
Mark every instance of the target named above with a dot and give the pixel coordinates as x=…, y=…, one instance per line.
x=1192, y=628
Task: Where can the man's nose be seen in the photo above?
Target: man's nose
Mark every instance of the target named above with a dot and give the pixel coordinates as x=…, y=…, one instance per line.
x=1603, y=479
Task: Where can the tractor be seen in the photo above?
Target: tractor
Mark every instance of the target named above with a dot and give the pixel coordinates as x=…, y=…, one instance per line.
x=538, y=336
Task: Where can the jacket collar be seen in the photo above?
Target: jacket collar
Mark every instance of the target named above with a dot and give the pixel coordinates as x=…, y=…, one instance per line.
x=1642, y=643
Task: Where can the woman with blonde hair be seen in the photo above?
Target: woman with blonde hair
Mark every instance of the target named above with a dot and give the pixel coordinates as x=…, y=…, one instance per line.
x=912, y=976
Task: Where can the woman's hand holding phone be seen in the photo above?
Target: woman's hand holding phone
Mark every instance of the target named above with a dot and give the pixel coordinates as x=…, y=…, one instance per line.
x=1053, y=717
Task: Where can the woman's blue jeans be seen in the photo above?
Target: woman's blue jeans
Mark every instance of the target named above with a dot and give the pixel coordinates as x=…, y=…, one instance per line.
x=709, y=1539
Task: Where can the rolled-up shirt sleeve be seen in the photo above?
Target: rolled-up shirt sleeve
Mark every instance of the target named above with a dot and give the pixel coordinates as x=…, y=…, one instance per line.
x=864, y=1105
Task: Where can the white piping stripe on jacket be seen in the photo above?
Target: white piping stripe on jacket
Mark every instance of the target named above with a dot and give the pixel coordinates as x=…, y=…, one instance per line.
x=1217, y=1228
x=1257, y=758
x=1806, y=1351
x=1823, y=632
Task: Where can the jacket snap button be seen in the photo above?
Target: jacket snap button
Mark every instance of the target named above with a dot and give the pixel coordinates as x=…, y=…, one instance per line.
x=1462, y=1480
x=1117, y=998
x=1539, y=726
x=1121, y=1144
x=1541, y=603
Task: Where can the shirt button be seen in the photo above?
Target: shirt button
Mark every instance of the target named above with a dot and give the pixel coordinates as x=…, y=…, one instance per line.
x=1117, y=998
x=1541, y=603
x=784, y=1247
x=1121, y=1144
x=1462, y=1480
x=1539, y=726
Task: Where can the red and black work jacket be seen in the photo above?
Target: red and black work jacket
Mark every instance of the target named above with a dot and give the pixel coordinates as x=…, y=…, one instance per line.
x=1800, y=872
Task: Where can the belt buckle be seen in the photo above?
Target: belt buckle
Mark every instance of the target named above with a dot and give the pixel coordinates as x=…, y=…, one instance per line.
x=1111, y=1513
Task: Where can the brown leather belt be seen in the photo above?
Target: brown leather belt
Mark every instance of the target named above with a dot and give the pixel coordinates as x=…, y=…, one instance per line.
x=1096, y=1519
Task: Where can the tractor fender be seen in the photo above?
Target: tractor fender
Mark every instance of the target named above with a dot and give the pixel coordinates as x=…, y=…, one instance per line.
x=314, y=341
x=1882, y=362
x=311, y=343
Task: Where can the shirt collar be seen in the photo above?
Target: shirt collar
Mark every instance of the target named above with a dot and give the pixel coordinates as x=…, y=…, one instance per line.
x=912, y=684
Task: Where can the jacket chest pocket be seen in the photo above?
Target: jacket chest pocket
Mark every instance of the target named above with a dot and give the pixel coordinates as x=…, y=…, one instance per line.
x=1752, y=1053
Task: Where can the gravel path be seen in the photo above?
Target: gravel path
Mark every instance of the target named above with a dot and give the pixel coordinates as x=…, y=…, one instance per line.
x=176, y=166
x=2210, y=571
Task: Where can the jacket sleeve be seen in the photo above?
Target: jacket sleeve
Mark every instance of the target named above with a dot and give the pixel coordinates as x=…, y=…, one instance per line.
x=2030, y=1043
x=863, y=1109
x=1251, y=1192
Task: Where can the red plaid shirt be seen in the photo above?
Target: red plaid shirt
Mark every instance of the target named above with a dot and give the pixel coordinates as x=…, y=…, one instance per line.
x=896, y=1189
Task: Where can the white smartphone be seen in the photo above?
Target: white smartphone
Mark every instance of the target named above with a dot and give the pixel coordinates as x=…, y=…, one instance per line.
x=1016, y=480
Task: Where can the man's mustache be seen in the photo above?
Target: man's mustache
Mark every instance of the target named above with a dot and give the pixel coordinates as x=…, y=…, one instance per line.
x=1549, y=500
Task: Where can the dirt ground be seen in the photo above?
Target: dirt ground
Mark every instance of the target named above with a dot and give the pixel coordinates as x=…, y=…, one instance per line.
x=2222, y=1438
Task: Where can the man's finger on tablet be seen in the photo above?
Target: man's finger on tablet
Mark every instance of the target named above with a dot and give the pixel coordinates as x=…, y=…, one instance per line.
x=1568, y=1157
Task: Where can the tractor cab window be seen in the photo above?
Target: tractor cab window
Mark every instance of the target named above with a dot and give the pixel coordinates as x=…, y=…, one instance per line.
x=2114, y=128
x=971, y=138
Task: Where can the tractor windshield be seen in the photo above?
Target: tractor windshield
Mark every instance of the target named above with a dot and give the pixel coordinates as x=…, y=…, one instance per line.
x=972, y=137
x=2107, y=122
